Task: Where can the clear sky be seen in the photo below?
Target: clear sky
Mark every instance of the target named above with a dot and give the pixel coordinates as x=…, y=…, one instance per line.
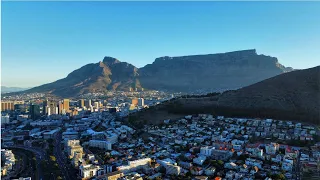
x=44, y=41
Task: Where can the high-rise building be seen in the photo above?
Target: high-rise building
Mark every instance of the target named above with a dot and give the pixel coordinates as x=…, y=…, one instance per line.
x=34, y=111
x=60, y=107
x=81, y=103
x=48, y=110
x=87, y=103
x=141, y=102
x=66, y=104
x=96, y=105
x=49, y=107
x=135, y=102
x=7, y=105
x=20, y=107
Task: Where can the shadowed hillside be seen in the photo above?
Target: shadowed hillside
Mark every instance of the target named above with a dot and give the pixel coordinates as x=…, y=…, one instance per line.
x=290, y=96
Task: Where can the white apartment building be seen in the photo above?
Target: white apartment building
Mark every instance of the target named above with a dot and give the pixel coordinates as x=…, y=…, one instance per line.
x=140, y=102
x=272, y=148
x=134, y=165
x=206, y=151
x=9, y=160
x=112, y=137
x=88, y=171
x=73, y=146
x=74, y=149
x=199, y=160
x=5, y=119
x=172, y=169
x=70, y=135
x=100, y=144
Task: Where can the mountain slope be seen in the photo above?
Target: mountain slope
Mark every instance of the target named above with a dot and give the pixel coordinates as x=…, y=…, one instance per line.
x=109, y=74
x=291, y=96
x=213, y=72
x=297, y=91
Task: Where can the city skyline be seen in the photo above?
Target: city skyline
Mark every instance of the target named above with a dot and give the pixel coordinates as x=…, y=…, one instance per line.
x=69, y=35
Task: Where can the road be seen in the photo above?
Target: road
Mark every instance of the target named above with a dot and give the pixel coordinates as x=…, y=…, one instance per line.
x=40, y=155
x=297, y=171
x=61, y=159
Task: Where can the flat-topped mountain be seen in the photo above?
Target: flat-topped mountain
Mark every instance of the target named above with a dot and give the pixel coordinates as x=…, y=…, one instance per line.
x=210, y=72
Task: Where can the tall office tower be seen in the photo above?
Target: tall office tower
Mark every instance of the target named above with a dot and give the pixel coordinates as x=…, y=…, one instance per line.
x=87, y=103
x=20, y=107
x=45, y=107
x=7, y=105
x=60, y=107
x=66, y=104
x=140, y=102
x=81, y=103
x=34, y=111
x=96, y=105
x=135, y=101
x=52, y=105
x=48, y=110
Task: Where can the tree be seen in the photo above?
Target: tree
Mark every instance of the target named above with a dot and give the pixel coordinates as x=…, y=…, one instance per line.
x=282, y=177
x=162, y=170
x=220, y=163
x=50, y=141
x=52, y=158
x=243, y=157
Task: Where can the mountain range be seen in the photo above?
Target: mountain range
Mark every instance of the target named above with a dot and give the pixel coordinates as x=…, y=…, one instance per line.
x=208, y=73
x=290, y=96
x=5, y=89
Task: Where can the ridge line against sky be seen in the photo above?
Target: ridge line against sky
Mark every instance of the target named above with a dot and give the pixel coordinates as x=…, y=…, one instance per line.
x=44, y=41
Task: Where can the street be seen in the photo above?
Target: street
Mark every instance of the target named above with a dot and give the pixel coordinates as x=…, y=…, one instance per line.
x=61, y=159
x=40, y=155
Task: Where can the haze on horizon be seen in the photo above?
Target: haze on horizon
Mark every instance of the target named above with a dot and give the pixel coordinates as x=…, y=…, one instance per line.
x=44, y=41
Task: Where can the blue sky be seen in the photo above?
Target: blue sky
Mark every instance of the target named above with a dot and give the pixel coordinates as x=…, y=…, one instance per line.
x=44, y=41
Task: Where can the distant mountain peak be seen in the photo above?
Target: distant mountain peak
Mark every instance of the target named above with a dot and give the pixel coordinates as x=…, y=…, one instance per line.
x=110, y=60
x=210, y=72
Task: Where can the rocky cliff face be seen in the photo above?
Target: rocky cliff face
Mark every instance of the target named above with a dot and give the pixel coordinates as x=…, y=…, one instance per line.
x=210, y=72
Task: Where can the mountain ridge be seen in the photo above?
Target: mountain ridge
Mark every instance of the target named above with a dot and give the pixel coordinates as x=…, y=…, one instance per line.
x=6, y=89
x=290, y=96
x=210, y=72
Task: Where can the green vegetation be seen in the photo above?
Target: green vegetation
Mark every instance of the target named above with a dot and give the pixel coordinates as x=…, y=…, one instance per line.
x=28, y=160
x=278, y=176
x=50, y=167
